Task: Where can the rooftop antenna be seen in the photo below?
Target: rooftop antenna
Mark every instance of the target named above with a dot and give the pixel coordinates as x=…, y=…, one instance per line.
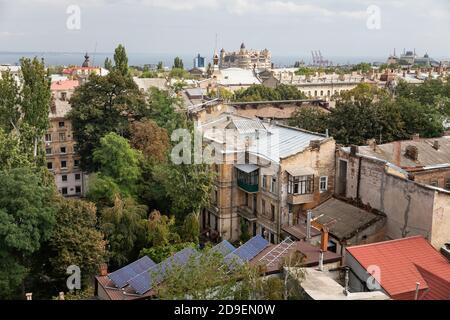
x=93, y=56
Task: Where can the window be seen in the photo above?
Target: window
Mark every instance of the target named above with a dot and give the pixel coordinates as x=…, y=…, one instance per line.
x=447, y=185
x=264, y=182
x=272, y=212
x=301, y=185
x=76, y=163
x=63, y=164
x=62, y=137
x=78, y=189
x=77, y=176
x=323, y=184
x=64, y=178
x=64, y=191
x=246, y=199
x=61, y=124
x=49, y=165
x=48, y=151
x=290, y=208
x=48, y=137
x=272, y=238
x=273, y=185
x=216, y=196
x=63, y=96
x=62, y=150
x=263, y=206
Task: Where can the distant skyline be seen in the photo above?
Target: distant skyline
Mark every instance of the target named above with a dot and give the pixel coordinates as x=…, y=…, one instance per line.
x=185, y=27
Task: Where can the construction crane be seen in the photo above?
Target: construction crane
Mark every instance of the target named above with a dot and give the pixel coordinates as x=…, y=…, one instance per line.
x=318, y=59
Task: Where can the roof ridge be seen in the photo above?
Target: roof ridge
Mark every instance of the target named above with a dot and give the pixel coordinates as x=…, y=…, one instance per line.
x=386, y=242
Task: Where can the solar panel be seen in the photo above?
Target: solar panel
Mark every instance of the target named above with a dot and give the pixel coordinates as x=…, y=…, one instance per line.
x=155, y=275
x=120, y=277
x=251, y=248
x=223, y=248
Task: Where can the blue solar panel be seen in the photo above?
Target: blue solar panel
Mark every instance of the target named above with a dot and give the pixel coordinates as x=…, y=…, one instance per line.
x=223, y=248
x=121, y=276
x=251, y=248
x=155, y=275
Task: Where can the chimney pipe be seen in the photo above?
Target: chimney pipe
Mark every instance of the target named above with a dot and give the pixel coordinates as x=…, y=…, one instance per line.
x=61, y=295
x=308, y=225
x=416, y=296
x=324, y=240
x=321, y=260
x=436, y=144
x=103, y=269
x=346, y=281
x=29, y=296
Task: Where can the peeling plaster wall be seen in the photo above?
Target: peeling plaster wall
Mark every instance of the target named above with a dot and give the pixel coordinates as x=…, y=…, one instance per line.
x=441, y=220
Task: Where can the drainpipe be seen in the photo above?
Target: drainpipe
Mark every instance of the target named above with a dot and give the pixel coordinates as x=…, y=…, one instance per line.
x=346, y=281
x=359, y=180
x=321, y=261
x=308, y=225
x=279, y=203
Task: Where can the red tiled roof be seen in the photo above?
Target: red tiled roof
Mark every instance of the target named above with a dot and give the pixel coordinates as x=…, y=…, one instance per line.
x=405, y=262
x=64, y=85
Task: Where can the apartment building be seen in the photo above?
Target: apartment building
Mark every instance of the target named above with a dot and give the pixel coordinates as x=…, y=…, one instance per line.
x=61, y=158
x=268, y=175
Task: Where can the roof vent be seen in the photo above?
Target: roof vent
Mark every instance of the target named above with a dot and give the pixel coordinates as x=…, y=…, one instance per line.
x=436, y=144
x=412, y=152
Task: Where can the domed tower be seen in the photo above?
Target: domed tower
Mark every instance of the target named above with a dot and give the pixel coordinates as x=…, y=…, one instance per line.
x=86, y=61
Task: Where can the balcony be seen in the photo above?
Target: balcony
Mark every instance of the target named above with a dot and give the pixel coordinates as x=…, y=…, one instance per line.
x=248, y=177
x=300, y=198
x=246, y=213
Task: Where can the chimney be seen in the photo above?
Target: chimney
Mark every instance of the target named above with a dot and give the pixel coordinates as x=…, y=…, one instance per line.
x=346, y=281
x=415, y=137
x=315, y=144
x=103, y=269
x=412, y=152
x=324, y=240
x=416, y=295
x=308, y=225
x=321, y=260
x=397, y=153
x=61, y=295
x=372, y=144
x=354, y=150
x=29, y=296
x=436, y=144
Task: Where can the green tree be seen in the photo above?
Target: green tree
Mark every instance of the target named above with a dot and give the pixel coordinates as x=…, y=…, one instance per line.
x=124, y=229
x=116, y=159
x=100, y=106
x=164, y=110
x=13, y=154
x=161, y=253
x=102, y=190
x=178, y=63
x=311, y=119
x=10, y=109
x=75, y=239
x=108, y=65
x=26, y=221
x=160, y=230
x=121, y=60
x=191, y=228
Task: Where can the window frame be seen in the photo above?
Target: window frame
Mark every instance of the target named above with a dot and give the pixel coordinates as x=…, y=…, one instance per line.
x=325, y=189
x=301, y=185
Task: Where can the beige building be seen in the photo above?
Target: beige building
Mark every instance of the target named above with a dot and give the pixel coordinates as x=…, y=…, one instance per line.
x=61, y=158
x=318, y=86
x=245, y=59
x=268, y=175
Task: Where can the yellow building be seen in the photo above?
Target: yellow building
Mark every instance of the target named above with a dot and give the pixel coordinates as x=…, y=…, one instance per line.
x=61, y=158
x=268, y=175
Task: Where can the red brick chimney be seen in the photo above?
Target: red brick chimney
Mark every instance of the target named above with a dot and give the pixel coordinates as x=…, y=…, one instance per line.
x=103, y=269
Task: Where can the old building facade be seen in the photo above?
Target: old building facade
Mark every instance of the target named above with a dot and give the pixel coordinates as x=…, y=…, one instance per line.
x=61, y=157
x=267, y=176
x=245, y=59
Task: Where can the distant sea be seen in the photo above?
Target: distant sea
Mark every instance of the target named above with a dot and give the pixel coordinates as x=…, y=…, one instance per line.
x=140, y=59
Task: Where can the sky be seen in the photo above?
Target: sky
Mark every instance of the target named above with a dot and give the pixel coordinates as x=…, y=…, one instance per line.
x=286, y=27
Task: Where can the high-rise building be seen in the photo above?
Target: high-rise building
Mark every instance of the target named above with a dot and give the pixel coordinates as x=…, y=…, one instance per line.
x=199, y=62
